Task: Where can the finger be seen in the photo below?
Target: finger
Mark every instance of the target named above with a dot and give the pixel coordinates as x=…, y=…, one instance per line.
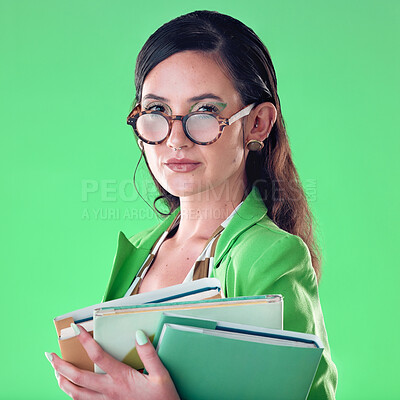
x=80, y=377
x=77, y=392
x=148, y=355
x=101, y=358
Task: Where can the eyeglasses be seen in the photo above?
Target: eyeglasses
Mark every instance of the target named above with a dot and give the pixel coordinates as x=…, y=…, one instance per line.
x=153, y=127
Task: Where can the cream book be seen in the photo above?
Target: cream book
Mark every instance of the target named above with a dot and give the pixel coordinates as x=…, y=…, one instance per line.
x=115, y=328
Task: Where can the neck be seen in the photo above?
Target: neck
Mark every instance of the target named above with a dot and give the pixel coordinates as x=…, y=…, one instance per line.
x=202, y=213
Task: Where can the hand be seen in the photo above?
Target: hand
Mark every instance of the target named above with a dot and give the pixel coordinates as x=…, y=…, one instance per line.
x=119, y=381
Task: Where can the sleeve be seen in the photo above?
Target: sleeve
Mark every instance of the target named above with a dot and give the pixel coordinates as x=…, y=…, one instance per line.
x=285, y=267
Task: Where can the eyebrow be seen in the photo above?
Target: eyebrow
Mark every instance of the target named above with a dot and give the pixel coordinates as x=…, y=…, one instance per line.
x=155, y=97
x=206, y=96
x=192, y=99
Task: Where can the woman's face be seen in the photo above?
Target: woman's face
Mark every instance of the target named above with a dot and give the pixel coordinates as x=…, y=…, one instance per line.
x=185, y=82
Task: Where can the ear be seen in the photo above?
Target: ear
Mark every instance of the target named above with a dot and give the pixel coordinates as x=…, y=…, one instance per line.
x=260, y=122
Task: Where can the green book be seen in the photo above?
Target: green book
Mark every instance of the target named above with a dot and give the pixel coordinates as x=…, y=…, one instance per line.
x=235, y=361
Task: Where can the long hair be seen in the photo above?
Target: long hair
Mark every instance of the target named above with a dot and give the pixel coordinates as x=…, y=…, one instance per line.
x=241, y=53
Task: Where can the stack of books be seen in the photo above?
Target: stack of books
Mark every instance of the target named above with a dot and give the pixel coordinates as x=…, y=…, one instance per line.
x=213, y=347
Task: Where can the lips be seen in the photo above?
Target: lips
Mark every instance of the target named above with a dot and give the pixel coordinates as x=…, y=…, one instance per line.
x=182, y=164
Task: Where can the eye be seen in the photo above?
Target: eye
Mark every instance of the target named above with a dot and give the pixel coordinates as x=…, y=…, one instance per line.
x=158, y=107
x=214, y=108
x=209, y=108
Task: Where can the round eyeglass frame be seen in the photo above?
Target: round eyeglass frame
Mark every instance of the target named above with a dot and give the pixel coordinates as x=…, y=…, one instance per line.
x=223, y=122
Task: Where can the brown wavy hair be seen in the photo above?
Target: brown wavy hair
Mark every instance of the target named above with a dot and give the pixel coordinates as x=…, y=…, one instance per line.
x=241, y=53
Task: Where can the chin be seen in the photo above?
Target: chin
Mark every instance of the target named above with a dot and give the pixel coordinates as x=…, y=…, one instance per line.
x=184, y=188
x=182, y=192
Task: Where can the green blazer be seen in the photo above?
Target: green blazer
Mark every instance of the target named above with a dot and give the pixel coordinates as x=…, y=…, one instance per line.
x=253, y=257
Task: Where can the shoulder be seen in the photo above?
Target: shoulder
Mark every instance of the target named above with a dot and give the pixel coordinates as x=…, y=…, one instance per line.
x=267, y=253
x=255, y=241
x=265, y=237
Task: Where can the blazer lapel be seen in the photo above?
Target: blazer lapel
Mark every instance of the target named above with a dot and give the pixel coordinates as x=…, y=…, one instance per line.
x=251, y=211
x=130, y=257
x=127, y=262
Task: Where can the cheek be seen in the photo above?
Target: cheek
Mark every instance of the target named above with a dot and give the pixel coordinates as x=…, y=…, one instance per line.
x=227, y=160
x=152, y=160
x=232, y=148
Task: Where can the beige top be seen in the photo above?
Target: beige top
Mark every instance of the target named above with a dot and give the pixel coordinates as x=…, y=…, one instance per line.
x=201, y=268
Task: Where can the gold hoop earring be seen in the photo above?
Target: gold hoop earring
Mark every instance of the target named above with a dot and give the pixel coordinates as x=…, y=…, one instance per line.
x=254, y=145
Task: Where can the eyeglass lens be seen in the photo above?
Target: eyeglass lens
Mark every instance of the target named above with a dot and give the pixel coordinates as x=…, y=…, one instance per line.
x=152, y=127
x=200, y=127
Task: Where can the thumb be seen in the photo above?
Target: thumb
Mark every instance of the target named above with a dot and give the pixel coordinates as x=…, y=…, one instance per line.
x=148, y=355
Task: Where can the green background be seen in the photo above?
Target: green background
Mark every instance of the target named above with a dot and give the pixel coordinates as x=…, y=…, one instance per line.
x=67, y=160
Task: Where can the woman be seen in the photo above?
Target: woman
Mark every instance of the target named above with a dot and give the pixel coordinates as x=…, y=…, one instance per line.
x=208, y=121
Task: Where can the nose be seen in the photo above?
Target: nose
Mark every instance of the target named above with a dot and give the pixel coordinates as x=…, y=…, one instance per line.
x=177, y=137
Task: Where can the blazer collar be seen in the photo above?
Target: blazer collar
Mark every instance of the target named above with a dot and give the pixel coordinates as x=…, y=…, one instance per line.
x=249, y=213
x=130, y=256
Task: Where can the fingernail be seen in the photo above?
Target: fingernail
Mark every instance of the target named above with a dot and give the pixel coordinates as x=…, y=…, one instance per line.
x=76, y=329
x=141, y=338
x=49, y=356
